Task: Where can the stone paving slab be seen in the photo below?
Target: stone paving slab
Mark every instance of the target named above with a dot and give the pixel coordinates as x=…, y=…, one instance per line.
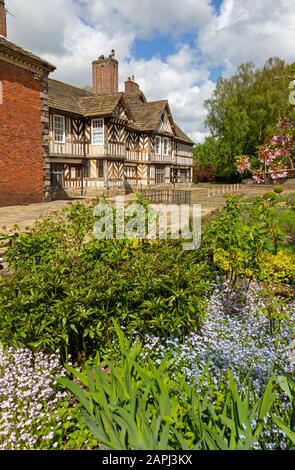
x=25, y=215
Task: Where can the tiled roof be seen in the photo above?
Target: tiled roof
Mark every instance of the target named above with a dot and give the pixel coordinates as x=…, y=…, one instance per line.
x=65, y=97
x=148, y=115
x=182, y=136
x=79, y=101
x=133, y=126
x=100, y=105
x=135, y=98
x=8, y=46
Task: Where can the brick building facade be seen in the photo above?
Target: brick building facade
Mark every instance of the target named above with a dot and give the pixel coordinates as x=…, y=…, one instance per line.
x=23, y=127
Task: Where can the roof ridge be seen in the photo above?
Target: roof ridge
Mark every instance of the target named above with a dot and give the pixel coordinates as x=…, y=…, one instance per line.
x=72, y=86
x=158, y=101
x=152, y=103
x=95, y=95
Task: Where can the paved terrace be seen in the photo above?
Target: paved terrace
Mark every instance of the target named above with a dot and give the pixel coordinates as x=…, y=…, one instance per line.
x=210, y=196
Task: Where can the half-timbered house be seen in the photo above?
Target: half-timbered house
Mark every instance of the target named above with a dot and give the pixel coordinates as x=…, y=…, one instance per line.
x=102, y=138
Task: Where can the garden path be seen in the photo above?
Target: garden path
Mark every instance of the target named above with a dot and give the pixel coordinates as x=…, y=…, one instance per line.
x=210, y=196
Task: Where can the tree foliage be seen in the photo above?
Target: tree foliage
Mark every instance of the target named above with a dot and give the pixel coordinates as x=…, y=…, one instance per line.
x=243, y=111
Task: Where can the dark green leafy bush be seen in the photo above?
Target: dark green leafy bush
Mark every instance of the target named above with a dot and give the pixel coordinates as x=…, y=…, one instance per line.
x=66, y=287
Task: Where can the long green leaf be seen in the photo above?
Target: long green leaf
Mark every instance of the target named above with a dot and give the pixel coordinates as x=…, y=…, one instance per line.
x=78, y=392
x=286, y=429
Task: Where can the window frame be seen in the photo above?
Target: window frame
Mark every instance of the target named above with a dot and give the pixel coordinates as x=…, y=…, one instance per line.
x=100, y=169
x=92, y=132
x=166, y=141
x=159, y=172
x=160, y=146
x=64, y=129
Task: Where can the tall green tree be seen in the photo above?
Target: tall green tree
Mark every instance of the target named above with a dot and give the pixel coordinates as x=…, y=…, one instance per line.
x=243, y=111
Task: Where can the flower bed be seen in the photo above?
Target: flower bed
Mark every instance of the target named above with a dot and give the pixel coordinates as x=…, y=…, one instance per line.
x=236, y=336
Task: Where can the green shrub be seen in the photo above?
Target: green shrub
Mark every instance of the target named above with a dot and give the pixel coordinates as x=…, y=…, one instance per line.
x=278, y=189
x=245, y=235
x=285, y=218
x=67, y=287
x=270, y=196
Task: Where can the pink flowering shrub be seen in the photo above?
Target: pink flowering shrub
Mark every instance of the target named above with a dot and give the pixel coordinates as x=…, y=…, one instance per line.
x=275, y=158
x=258, y=176
x=243, y=164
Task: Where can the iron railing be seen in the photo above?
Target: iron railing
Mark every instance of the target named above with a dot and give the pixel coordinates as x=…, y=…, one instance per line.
x=167, y=196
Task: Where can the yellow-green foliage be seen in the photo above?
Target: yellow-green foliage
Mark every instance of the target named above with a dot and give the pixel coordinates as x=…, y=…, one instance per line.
x=280, y=267
x=275, y=268
x=225, y=261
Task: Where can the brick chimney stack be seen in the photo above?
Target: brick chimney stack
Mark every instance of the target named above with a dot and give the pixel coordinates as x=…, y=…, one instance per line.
x=105, y=74
x=131, y=86
x=3, y=26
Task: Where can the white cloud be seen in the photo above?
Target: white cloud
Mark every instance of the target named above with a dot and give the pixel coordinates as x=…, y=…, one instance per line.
x=84, y=44
x=182, y=80
x=252, y=30
x=39, y=25
x=146, y=17
x=71, y=33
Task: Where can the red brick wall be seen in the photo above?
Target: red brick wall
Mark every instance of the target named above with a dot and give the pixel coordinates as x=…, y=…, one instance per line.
x=21, y=152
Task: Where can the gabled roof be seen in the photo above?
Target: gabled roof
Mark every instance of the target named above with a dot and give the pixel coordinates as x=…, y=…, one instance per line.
x=100, y=105
x=148, y=115
x=135, y=98
x=66, y=97
x=8, y=47
x=143, y=116
x=80, y=101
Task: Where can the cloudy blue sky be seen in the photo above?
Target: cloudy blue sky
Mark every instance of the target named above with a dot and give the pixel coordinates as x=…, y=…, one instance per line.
x=176, y=49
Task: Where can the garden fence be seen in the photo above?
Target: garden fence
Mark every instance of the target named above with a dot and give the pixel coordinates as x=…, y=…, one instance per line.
x=167, y=196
